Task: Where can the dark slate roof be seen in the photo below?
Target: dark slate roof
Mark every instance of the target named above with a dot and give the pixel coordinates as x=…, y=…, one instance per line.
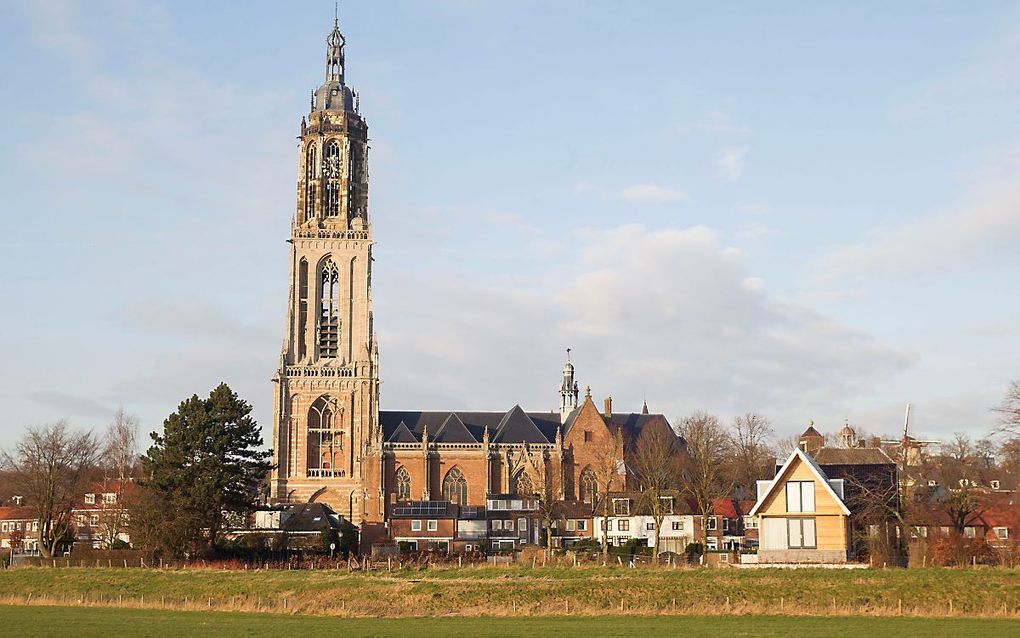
x=542, y=430
x=401, y=434
x=310, y=517
x=517, y=427
x=851, y=456
x=513, y=426
x=633, y=424
x=453, y=430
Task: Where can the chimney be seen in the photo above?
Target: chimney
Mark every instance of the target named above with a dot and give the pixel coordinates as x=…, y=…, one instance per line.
x=609, y=408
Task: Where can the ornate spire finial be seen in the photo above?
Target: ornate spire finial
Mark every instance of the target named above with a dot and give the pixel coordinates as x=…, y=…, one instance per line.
x=587, y=392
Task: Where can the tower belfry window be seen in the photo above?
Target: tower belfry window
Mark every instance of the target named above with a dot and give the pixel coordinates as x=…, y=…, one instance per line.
x=331, y=173
x=302, y=307
x=310, y=166
x=329, y=311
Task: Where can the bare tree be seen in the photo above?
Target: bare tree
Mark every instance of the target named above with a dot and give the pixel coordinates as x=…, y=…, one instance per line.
x=1009, y=410
x=752, y=453
x=607, y=468
x=120, y=446
x=548, y=483
x=658, y=467
x=51, y=465
x=120, y=460
x=706, y=473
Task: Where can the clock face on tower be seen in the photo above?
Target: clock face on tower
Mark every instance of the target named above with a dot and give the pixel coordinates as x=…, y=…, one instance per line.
x=332, y=167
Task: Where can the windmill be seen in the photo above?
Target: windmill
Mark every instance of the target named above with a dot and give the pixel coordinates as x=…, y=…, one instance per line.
x=910, y=448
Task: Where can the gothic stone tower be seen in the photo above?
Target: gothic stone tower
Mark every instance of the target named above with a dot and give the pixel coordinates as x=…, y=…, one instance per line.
x=327, y=386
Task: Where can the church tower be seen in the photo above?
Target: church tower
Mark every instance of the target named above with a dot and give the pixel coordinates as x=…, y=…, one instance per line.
x=326, y=414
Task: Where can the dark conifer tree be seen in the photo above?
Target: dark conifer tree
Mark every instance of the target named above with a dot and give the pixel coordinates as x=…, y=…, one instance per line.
x=206, y=465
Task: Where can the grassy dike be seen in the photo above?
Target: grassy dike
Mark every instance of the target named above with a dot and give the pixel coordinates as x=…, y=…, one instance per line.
x=523, y=591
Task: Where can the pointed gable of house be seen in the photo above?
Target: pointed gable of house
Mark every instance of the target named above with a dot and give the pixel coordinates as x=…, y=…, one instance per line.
x=517, y=427
x=798, y=458
x=453, y=430
x=402, y=434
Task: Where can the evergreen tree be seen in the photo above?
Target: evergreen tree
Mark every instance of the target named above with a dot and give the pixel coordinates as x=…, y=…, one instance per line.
x=207, y=465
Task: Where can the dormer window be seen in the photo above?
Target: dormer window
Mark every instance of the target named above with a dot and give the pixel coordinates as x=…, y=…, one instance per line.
x=621, y=507
x=995, y=485
x=90, y=499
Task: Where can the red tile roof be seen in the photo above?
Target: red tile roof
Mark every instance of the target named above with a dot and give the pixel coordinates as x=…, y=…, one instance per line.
x=17, y=513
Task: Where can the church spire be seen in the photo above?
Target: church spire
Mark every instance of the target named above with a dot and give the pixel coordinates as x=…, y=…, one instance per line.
x=335, y=51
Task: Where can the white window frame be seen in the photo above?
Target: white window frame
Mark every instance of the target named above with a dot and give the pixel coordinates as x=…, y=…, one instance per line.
x=570, y=524
x=713, y=523
x=667, y=504
x=582, y=525
x=497, y=524
x=522, y=524
x=623, y=524
x=800, y=496
x=432, y=525
x=1002, y=533
x=90, y=499
x=508, y=525
x=415, y=526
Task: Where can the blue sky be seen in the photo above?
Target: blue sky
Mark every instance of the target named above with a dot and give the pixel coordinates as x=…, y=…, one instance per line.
x=805, y=209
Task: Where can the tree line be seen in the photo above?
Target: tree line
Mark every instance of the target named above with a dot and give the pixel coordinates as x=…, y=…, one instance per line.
x=201, y=472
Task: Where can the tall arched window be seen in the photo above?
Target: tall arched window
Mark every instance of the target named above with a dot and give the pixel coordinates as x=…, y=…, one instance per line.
x=403, y=483
x=522, y=484
x=302, y=324
x=331, y=172
x=329, y=310
x=455, y=487
x=588, y=487
x=310, y=166
x=325, y=442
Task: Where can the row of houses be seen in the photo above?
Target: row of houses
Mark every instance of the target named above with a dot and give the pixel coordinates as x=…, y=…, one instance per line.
x=822, y=505
x=98, y=520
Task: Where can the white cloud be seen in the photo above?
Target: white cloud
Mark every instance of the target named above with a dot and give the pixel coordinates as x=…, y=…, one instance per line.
x=729, y=163
x=652, y=193
x=936, y=243
x=671, y=314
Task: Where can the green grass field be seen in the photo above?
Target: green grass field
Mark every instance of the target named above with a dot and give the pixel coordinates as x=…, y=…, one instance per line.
x=524, y=591
x=67, y=621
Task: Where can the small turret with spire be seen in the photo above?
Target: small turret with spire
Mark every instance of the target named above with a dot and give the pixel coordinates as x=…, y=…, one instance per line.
x=568, y=390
